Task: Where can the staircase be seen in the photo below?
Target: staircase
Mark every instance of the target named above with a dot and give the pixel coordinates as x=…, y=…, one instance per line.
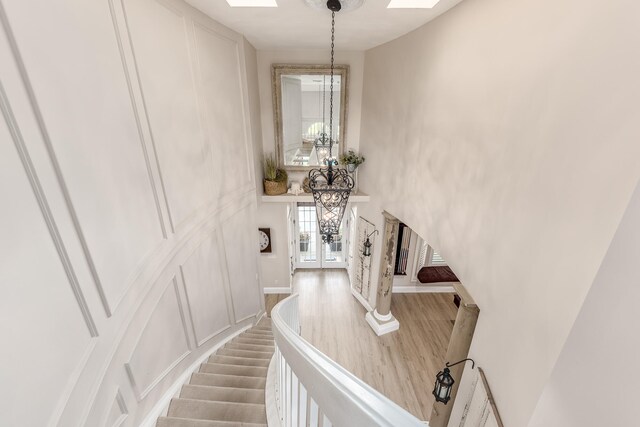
x=228, y=390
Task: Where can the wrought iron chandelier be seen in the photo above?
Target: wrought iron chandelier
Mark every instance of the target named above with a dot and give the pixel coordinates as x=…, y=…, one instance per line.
x=330, y=185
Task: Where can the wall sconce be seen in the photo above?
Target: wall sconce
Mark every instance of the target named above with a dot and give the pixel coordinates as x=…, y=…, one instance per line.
x=444, y=382
x=366, y=250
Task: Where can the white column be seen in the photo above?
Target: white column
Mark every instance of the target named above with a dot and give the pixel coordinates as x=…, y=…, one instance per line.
x=381, y=319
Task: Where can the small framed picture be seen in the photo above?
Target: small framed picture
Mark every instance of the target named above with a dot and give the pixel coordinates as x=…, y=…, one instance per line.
x=265, y=240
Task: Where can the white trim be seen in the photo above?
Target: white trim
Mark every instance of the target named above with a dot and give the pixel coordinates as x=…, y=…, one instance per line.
x=277, y=290
x=382, y=328
x=382, y=317
x=439, y=287
x=160, y=408
x=273, y=419
x=362, y=300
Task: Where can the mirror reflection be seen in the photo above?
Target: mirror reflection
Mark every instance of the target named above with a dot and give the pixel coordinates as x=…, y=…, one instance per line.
x=303, y=122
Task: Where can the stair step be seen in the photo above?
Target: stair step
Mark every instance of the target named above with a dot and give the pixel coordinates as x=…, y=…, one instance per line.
x=217, y=411
x=262, y=331
x=257, y=336
x=242, y=346
x=256, y=341
x=244, y=353
x=222, y=394
x=220, y=380
x=243, y=371
x=240, y=361
x=184, y=422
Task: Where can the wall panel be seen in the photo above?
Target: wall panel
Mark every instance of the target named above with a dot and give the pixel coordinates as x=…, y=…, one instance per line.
x=241, y=246
x=163, y=343
x=88, y=123
x=44, y=336
x=114, y=276
x=161, y=36
x=223, y=103
x=204, y=285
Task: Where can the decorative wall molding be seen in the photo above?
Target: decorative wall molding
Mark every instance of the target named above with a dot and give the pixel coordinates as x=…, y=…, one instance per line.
x=123, y=40
x=141, y=392
x=91, y=387
x=44, y=204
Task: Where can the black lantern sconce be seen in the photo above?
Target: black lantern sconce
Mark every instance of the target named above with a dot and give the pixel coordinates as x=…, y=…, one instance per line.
x=444, y=382
x=366, y=250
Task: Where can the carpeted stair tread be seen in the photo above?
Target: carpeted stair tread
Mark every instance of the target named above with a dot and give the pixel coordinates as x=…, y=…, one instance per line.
x=248, y=340
x=256, y=336
x=239, y=361
x=261, y=331
x=217, y=411
x=253, y=354
x=243, y=346
x=185, y=422
x=228, y=390
x=222, y=394
x=227, y=381
x=243, y=371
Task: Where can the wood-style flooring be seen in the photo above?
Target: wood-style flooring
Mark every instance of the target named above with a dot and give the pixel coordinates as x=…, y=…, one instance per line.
x=401, y=365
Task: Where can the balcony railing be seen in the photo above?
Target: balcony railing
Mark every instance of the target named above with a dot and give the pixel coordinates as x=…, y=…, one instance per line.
x=313, y=390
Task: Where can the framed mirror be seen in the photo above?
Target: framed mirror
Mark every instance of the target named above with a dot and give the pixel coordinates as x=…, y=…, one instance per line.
x=301, y=113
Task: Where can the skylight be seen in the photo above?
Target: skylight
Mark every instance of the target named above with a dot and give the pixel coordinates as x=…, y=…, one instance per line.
x=254, y=3
x=411, y=4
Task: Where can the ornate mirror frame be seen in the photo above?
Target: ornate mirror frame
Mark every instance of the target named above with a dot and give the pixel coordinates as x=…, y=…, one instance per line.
x=277, y=71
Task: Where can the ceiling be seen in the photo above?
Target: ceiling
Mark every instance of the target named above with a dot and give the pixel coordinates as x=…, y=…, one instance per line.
x=294, y=25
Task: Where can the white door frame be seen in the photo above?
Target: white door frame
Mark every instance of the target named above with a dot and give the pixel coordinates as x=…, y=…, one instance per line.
x=320, y=261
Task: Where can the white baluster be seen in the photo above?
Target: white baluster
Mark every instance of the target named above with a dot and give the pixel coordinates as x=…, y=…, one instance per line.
x=303, y=403
x=294, y=399
x=313, y=414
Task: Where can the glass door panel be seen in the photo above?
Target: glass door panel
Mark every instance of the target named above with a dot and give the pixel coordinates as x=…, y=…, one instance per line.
x=311, y=252
x=307, y=237
x=334, y=253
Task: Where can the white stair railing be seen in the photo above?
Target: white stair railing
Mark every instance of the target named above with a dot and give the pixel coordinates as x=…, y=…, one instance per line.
x=313, y=390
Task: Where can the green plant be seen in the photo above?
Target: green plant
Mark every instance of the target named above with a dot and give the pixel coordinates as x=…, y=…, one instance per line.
x=271, y=170
x=351, y=158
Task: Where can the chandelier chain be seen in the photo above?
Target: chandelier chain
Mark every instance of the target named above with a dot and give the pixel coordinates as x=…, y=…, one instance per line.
x=333, y=37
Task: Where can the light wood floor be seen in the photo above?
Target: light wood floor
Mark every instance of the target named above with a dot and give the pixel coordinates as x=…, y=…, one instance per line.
x=401, y=365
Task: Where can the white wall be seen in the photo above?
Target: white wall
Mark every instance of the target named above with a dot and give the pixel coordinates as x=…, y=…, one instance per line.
x=594, y=382
x=275, y=267
x=509, y=133
x=128, y=223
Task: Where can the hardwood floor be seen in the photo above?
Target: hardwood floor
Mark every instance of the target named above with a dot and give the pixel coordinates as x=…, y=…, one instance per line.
x=402, y=365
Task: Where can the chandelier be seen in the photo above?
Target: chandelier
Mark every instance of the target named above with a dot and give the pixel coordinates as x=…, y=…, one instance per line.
x=330, y=185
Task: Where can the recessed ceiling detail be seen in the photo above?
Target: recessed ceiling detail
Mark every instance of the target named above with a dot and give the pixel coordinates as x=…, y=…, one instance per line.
x=298, y=24
x=252, y=3
x=412, y=4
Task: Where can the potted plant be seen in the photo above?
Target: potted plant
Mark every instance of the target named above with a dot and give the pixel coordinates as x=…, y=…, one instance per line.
x=304, y=241
x=275, y=179
x=352, y=160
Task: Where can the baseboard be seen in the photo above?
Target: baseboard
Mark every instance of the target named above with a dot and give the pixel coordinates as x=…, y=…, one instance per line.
x=361, y=300
x=161, y=407
x=441, y=287
x=277, y=290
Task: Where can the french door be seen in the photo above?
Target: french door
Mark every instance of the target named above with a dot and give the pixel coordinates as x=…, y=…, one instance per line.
x=310, y=251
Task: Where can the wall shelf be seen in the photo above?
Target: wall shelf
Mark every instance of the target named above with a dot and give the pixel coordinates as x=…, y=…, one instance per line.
x=307, y=197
